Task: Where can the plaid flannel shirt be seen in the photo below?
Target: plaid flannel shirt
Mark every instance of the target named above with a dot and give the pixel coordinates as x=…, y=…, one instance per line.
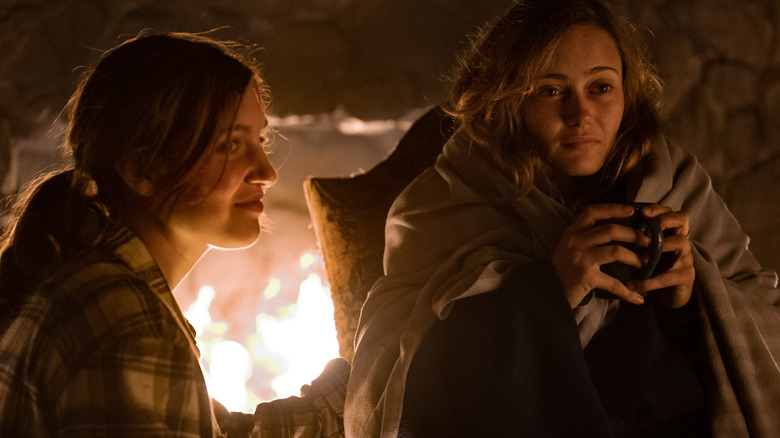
x=101, y=348
x=318, y=413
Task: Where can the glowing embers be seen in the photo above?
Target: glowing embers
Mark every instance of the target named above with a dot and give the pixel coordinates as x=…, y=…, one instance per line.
x=287, y=349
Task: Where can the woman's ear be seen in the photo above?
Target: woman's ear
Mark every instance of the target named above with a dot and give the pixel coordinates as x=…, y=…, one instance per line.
x=135, y=180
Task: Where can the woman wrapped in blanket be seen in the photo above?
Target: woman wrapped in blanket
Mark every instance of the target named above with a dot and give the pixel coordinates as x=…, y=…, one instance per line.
x=494, y=317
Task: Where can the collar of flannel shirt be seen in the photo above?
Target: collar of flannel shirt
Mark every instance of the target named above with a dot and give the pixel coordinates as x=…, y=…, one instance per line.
x=122, y=242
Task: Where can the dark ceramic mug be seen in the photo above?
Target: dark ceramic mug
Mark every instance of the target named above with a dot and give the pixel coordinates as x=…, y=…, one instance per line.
x=647, y=225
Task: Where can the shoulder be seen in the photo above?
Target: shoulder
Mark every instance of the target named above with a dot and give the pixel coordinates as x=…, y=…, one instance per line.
x=93, y=303
x=108, y=295
x=425, y=191
x=437, y=217
x=94, y=313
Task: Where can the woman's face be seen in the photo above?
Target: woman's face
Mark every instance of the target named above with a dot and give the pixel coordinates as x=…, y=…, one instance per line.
x=223, y=209
x=575, y=109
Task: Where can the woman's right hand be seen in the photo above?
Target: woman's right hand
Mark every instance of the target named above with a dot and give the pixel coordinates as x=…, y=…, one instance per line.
x=583, y=249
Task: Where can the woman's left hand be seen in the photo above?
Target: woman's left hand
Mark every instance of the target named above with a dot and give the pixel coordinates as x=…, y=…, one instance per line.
x=673, y=288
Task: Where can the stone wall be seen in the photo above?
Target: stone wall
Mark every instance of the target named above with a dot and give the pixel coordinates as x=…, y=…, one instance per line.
x=383, y=60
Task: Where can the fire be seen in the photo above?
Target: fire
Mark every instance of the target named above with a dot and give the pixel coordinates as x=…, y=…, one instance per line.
x=229, y=371
x=294, y=345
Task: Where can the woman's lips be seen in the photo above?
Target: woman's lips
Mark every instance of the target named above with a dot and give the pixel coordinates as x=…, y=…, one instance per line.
x=256, y=206
x=580, y=143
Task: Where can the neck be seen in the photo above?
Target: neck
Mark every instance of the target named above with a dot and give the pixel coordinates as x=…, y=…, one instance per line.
x=175, y=257
x=577, y=190
x=584, y=190
x=174, y=261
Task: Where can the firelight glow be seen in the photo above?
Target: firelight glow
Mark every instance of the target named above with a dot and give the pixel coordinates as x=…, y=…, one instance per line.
x=307, y=338
x=294, y=345
x=229, y=370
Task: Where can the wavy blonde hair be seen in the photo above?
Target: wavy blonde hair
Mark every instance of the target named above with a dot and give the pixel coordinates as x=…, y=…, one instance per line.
x=496, y=75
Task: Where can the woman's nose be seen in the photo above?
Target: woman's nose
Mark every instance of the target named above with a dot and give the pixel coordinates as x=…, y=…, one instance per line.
x=577, y=110
x=261, y=172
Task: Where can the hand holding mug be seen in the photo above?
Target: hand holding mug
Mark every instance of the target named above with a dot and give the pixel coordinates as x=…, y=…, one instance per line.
x=585, y=246
x=671, y=288
x=651, y=227
x=594, y=240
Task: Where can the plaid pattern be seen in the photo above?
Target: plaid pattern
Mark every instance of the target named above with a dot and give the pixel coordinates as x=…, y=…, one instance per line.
x=101, y=349
x=318, y=413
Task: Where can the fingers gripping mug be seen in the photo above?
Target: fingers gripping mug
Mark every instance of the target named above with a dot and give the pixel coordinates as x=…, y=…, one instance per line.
x=647, y=225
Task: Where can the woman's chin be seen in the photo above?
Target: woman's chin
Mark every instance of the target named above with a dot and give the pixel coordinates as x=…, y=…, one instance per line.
x=238, y=241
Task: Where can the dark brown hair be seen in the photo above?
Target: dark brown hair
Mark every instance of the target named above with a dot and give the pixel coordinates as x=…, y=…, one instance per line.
x=155, y=104
x=505, y=59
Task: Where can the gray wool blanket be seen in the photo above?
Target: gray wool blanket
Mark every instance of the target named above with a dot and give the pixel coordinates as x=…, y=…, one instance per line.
x=457, y=229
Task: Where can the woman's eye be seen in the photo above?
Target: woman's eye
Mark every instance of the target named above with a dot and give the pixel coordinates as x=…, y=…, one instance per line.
x=549, y=92
x=603, y=88
x=230, y=147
